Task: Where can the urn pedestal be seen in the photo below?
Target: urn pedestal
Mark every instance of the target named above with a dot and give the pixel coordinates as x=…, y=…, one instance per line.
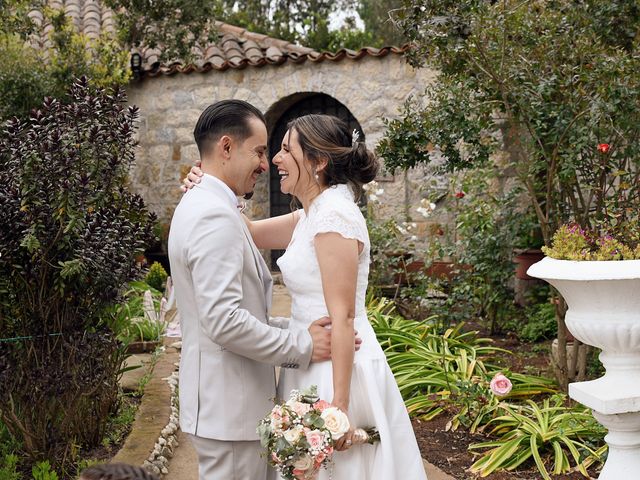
x=603, y=300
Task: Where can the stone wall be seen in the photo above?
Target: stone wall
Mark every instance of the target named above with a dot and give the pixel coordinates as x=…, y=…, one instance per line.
x=371, y=88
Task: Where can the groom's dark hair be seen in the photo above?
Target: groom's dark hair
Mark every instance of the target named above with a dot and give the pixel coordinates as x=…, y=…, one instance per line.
x=227, y=117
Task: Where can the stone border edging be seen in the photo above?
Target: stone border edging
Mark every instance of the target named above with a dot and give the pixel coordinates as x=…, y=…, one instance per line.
x=152, y=438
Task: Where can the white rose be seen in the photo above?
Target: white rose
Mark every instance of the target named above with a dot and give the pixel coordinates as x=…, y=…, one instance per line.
x=293, y=434
x=303, y=463
x=336, y=421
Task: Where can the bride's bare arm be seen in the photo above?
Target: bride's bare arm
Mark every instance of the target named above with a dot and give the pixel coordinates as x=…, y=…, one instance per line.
x=271, y=233
x=338, y=261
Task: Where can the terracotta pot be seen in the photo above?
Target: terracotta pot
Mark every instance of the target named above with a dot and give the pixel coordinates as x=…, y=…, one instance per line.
x=437, y=270
x=524, y=259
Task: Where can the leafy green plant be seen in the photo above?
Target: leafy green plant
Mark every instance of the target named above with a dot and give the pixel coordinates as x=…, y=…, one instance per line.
x=132, y=321
x=8, y=465
x=69, y=233
x=568, y=434
x=156, y=277
x=541, y=323
x=436, y=371
x=43, y=471
x=27, y=74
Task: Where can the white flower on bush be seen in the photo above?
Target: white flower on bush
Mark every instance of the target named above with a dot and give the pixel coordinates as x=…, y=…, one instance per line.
x=336, y=421
x=426, y=207
x=500, y=385
x=293, y=434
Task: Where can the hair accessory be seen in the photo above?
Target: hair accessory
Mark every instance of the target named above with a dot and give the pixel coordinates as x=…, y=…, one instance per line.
x=355, y=135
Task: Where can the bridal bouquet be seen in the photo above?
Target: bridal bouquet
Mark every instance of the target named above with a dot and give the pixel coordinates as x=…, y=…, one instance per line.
x=299, y=435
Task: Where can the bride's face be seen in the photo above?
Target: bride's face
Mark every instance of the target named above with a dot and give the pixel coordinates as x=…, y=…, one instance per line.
x=293, y=168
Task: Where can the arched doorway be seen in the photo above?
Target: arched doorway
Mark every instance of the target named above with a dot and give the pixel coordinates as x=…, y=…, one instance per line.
x=280, y=203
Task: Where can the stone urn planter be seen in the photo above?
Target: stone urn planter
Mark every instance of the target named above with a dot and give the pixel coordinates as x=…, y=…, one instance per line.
x=603, y=300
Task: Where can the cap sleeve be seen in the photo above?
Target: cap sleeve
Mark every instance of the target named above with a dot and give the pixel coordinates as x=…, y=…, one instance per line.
x=347, y=221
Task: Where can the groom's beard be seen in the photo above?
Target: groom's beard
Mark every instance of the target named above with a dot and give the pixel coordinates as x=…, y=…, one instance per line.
x=247, y=196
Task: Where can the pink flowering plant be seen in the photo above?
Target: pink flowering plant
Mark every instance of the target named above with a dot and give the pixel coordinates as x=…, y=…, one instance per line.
x=571, y=242
x=299, y=435
x=500, y=385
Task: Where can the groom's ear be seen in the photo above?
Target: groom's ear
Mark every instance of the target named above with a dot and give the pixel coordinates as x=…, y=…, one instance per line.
x=224, y=144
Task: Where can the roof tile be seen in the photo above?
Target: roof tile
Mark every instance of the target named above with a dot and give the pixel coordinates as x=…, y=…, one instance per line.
x=236, y=47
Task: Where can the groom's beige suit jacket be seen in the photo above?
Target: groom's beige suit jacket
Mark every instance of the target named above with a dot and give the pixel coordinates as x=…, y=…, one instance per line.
x=223, y=293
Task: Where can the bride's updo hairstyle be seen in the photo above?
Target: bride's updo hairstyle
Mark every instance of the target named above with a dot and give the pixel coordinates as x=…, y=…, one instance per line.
x=348, y=160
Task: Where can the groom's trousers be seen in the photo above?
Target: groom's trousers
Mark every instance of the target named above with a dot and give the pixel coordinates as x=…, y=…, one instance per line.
x=224, y=460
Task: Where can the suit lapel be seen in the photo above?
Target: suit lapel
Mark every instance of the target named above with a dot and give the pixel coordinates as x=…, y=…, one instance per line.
x=261, y=266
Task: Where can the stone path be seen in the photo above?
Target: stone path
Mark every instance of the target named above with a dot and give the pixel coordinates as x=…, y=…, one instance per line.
x=184, y=464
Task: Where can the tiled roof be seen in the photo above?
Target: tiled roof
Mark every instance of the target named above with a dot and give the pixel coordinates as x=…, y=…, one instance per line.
x=237, y=48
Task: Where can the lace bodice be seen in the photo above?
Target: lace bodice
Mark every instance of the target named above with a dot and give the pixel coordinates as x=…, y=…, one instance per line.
x=334, y=210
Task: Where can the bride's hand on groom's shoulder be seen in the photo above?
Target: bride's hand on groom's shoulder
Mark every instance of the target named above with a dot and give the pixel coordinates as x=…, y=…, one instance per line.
x=192, y=178
x=321, y=337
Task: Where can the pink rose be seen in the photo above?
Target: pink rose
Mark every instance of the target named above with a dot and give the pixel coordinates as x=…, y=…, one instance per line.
x=315, y=439
x=279, y=418
x=320, y=457
x=300, y=408
x=500, y=385
x=321, y=405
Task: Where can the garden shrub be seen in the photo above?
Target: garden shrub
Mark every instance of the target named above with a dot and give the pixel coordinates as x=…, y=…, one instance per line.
x=541, y=323
x=69, y=233
x=156, y=277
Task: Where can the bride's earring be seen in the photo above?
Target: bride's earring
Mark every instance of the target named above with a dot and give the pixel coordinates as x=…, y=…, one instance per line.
x=317, y=177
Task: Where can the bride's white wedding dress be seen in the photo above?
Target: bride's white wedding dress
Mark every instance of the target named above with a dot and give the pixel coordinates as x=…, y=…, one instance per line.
x=375, y=399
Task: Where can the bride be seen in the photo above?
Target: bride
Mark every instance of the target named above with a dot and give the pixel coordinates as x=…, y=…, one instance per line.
x=325, y=268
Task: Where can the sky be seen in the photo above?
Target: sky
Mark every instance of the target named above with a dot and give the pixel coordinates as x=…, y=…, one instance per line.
x=336, y=19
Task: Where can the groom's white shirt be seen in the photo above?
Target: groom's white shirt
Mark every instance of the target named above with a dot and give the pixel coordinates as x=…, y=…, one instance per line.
x=223, y=292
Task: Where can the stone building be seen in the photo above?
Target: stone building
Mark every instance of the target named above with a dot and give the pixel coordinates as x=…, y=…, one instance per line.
x=282, y=79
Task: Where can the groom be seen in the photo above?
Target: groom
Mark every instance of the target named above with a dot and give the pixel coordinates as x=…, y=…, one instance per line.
x=223, y=290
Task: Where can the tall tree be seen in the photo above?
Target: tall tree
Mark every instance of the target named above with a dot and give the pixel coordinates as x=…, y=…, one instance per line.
x=380, y=22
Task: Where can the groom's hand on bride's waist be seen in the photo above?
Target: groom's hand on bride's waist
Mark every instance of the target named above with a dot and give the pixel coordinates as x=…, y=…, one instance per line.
x=320, y=331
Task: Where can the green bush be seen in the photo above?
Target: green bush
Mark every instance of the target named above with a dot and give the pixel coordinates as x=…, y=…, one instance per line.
x=69, y=233
x=24, y=80
x=541, y=323
x=156, y=277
